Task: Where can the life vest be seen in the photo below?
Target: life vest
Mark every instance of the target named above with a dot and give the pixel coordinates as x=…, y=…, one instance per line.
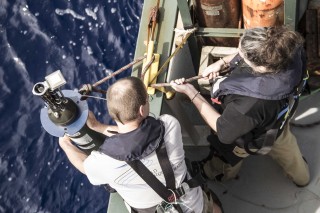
x=137, y=144
x=286, y=84
x=243, y=81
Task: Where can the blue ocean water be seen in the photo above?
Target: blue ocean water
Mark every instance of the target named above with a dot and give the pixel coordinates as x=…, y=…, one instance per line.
x=86, y=40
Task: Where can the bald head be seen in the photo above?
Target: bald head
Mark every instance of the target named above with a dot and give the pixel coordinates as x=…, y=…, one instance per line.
x=125, y=97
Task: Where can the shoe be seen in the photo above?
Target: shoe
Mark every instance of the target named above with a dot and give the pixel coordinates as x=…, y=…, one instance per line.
x=301, y=186
x=213, y=175
x=214, y=197
x=298, y=185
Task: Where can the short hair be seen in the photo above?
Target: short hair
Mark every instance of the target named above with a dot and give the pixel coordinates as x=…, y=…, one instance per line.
x=125, y=97
x=271, y=47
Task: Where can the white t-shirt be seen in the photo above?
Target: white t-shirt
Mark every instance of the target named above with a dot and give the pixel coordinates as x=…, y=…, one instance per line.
x=102, y=169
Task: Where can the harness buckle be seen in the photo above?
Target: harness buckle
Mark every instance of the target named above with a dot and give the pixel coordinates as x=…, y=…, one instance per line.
x=183, y=189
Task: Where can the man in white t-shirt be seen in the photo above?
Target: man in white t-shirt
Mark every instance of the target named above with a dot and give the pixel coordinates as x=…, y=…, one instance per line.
x=137, y=137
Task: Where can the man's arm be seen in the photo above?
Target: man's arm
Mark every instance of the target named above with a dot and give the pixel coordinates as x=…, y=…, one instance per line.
x=212, y=71
x=207, y=112
x=94, y=124
x=75, y=155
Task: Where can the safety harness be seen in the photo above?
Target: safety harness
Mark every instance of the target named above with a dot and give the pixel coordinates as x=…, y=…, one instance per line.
x=168, y=193
x=283, y=117
x=136, y=145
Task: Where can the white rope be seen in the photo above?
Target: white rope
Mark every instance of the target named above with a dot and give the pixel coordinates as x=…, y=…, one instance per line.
x=183, y=33
x=96, y=97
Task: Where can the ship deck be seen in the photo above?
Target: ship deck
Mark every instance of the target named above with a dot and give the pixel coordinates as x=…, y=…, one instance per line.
x=262, y=185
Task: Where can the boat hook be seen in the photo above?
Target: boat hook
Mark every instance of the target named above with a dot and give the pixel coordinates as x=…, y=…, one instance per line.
x=86, y=89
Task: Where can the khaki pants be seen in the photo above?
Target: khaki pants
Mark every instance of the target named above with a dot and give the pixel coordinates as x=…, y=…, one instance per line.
x=207, y=204
x=285, y=151
x=216, y=166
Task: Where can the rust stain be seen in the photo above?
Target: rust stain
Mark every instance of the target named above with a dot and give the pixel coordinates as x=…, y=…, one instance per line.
x=250, y=11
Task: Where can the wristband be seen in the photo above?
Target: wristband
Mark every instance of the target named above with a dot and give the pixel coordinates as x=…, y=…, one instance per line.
x=225, y=63
x=195, y=96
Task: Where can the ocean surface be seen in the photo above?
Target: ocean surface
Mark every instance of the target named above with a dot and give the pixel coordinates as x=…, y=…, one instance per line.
x=86, y=40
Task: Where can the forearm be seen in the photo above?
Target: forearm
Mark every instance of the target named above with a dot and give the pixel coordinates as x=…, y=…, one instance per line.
x=207, y=112
x=228, y=58
x=94, y=124
x=75, y=155
x=213, y=71
x=102, y=128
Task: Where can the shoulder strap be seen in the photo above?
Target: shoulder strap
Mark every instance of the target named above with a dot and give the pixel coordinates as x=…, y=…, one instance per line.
x=169, y=196
x=166, y=167
x=154, y=183
x=151, y=180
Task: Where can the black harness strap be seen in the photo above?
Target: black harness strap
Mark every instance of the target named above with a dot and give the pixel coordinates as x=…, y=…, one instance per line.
x=270, y=138
x=151, y=180
x=166, y=167
x=271, y=134
x=154, y=183
x=195, y=181
x=169, y=175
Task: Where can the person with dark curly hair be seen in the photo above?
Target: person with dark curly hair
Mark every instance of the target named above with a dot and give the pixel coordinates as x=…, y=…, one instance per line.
x=251, y=105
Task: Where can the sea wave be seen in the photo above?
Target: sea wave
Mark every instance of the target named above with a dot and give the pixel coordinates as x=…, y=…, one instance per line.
x=86, y=40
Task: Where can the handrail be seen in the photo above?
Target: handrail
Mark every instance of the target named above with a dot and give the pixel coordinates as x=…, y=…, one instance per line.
x=219, y=32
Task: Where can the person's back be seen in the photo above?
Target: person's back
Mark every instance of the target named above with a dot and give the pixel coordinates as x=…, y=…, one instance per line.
x=119, y=175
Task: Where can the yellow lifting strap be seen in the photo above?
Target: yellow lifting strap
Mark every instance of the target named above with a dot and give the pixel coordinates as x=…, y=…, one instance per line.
x=150, y=76
x=169, y=93
x=152, y=70
x=150, y=66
